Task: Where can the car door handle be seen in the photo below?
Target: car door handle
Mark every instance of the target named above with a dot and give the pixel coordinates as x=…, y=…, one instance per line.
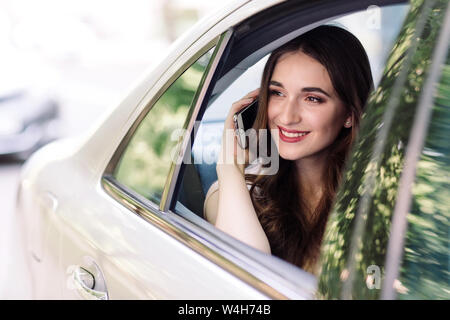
x=85, y=285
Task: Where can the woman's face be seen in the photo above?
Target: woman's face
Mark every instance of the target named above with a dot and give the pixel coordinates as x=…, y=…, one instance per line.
x=304, y=111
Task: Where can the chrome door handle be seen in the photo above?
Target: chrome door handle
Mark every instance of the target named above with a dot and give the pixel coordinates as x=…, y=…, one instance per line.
x=85, y=285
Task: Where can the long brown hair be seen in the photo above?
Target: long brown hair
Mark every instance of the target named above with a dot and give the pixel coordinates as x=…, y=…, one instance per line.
x=295, y=231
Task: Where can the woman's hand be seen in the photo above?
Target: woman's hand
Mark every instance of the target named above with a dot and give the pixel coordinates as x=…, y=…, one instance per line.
x=234, y=211
x=232, y=155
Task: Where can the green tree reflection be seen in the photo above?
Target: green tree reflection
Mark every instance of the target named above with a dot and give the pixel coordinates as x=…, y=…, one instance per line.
x=425, y=269
x=146, y=162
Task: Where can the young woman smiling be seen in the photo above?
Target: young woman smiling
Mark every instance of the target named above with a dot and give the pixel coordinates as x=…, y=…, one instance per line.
x=311, y=99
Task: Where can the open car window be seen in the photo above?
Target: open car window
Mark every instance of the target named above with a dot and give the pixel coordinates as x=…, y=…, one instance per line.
x=238, y=79
x=375, y=28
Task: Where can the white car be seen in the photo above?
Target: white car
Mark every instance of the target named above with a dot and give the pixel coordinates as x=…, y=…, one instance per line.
x=109, y=215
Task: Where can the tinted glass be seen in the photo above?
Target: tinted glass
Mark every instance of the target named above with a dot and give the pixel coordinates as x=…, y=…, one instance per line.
x=426, y=265
x=146, y=162
x=356, y=239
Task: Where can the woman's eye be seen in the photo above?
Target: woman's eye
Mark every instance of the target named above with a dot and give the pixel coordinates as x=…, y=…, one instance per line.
x=275, y=93
x=314, y=99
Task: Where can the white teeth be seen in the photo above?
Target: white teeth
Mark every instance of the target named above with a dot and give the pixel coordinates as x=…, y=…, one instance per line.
x=292, y=134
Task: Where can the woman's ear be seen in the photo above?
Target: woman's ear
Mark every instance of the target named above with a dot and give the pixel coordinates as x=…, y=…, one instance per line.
x=348, y=122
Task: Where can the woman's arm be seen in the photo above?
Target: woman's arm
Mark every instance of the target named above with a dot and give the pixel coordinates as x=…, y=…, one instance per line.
x=211, y=204
x=235, y=212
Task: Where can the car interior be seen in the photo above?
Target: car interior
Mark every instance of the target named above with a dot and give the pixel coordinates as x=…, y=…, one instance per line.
x=241, y=68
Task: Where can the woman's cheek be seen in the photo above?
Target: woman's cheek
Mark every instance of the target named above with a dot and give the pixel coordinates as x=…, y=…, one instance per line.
x=274, y=107
x=271, y=114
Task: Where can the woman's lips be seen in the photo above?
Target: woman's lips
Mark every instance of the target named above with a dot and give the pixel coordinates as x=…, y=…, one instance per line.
x=292, y=136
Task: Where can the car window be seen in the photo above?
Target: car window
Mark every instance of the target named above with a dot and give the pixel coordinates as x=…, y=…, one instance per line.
x=425, y=271
x=355, y=244
x=145, y=164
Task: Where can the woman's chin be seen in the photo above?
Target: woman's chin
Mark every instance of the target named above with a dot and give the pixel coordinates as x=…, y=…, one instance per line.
x=289, y=155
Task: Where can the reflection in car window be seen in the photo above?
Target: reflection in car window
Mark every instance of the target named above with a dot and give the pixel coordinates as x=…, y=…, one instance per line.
x=146, y=162
x=425, y=271
x=356, y=239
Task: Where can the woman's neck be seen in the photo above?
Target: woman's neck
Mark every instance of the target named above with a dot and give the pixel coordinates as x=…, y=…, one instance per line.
x=311, y=173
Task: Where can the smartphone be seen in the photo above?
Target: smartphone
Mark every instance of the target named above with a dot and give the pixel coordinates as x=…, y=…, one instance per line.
x=244, y=120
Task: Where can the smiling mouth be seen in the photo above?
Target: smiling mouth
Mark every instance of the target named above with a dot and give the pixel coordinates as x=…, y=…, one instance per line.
x=292, y=135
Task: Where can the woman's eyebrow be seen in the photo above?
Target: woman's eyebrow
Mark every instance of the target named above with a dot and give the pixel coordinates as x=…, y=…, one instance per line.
x=307, y=89
x=313, y=89
x=276, y=83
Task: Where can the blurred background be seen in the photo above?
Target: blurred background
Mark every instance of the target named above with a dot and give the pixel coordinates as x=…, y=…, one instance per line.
x=63, y=64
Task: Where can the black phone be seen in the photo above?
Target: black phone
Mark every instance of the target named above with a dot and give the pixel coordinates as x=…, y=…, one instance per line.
x=244, y=120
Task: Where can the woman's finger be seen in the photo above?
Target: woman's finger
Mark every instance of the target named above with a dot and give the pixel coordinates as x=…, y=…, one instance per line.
x=241, y=103
x=253, y=93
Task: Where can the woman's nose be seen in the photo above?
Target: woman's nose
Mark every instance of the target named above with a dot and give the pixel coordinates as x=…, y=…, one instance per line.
x=290, y=113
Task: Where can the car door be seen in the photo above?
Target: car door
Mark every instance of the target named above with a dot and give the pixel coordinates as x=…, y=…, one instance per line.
x=113, y=251
x=197, y=173
x=112, y=267
x=364, y=245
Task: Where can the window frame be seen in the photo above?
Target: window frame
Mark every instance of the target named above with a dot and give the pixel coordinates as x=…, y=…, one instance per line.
x=205, y=83
x=113, y=163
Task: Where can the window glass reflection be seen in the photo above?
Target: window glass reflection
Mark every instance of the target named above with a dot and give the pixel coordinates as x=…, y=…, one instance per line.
x=425, y=271
x=357, y=235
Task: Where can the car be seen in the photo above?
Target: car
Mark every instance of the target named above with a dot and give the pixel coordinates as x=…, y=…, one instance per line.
x=116, y=212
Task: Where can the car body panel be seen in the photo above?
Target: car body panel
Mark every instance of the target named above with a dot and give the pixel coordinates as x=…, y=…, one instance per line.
x=112, y=237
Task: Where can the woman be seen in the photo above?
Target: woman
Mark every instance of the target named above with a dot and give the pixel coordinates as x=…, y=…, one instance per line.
x=311, y=97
